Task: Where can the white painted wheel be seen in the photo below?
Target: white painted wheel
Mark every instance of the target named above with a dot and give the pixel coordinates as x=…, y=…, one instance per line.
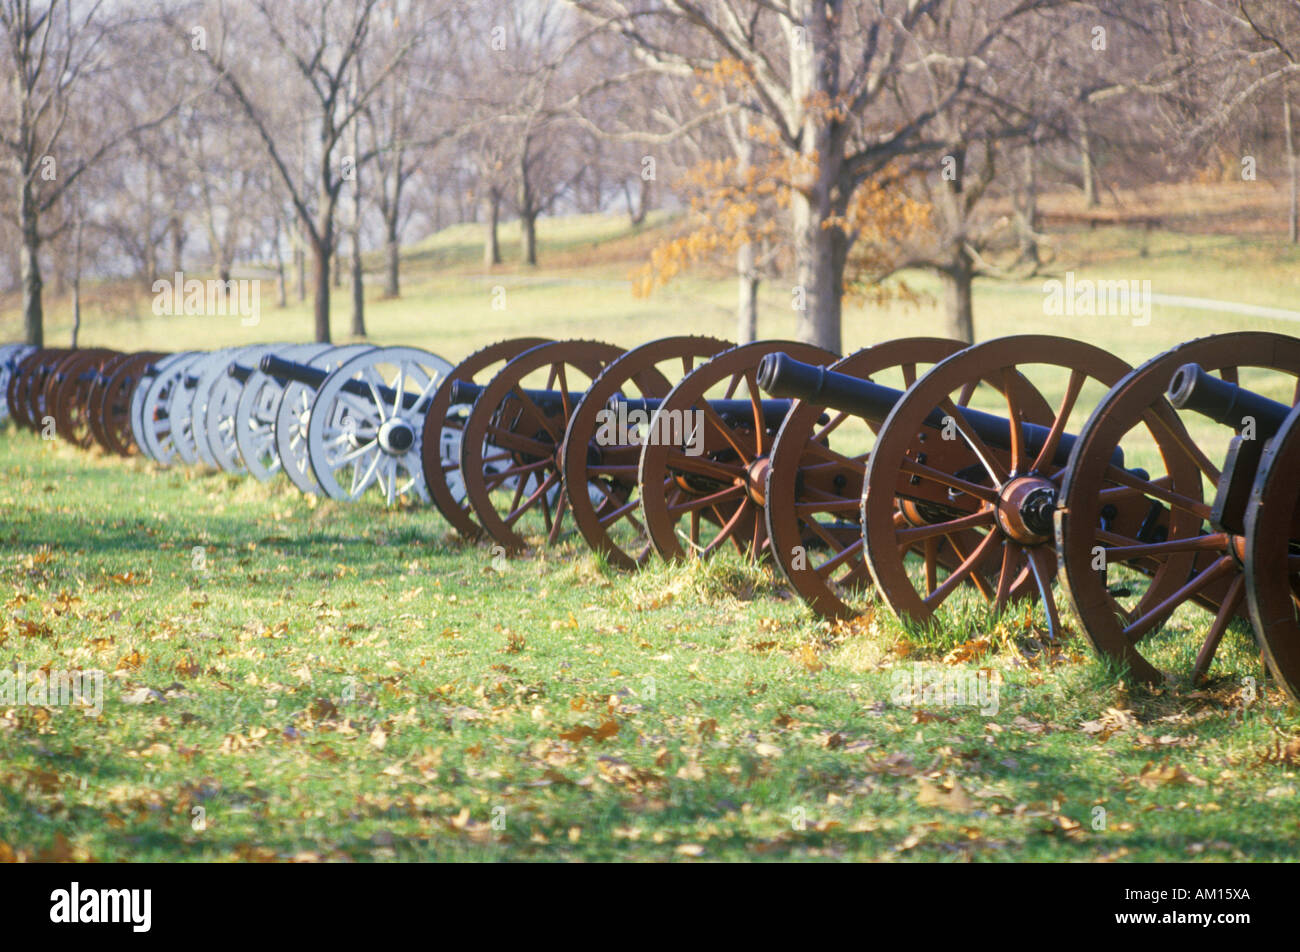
x=220, y=406
x=186, y=410
x=293, y=413
x=10, y=356
x=151, y=406
x=255, y=413
x=366, y=424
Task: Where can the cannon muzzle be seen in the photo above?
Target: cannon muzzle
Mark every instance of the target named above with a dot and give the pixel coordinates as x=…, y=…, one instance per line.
x=1191, y=388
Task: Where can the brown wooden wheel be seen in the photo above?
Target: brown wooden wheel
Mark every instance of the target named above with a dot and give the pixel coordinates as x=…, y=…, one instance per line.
x=95, y=395
x=600, y=460
x=706, y=466
x=28, y=381
x=73, y=371
x=71, y=396
x=511, y=445
x=444, y=425
x=1273, y=555
x=814, y=483
x=984, y=477
x=1137, y=545
x=110, y=418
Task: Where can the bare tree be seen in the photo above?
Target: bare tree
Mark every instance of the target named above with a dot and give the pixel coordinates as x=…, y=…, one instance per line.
x=319, y=46
x=56, y=55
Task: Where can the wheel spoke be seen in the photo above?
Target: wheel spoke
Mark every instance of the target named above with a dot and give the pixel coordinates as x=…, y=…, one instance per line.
x=1141, y=627
x=991, y=464
x=1048, y=450
x=1231, y=602
x=965, y=569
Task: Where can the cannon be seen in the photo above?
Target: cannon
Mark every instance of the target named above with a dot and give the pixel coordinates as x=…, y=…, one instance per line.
x=111, y=401
x=702, y=473
x=257, y=407
x=361, y=423
x=157, y=423
x=510, y=444
x=814, y=482
x=600, y=463
x=1124, y=588
x=966, y=467
x=444, y=426
x=1255, y=506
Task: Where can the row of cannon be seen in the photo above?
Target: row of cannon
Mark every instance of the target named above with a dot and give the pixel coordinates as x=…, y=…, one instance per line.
x=923, y=473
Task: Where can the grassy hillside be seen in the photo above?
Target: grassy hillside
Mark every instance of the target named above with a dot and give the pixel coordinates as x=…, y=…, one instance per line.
x=450, y=302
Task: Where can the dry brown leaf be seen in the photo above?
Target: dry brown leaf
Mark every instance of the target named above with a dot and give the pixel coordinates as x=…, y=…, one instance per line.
x=954, y=798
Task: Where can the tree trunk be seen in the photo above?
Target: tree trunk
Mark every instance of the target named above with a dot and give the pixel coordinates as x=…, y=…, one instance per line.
x=527, y=211
x=393, y=253
x=321, y=275
x=957, y=280
x=528, y=236
x=150, y=259
x=300, y=260
x=337, y=265
x=358, y=290
x=1293, y=219
x=747, y=303
x=358, y=282
x=281, y=290
x=642, y=203
x=491, y=246
x=820, y=252
x=76, y=284
x=1028, y=215
x=1089, y=173
x=30, y=257
x=178, y=244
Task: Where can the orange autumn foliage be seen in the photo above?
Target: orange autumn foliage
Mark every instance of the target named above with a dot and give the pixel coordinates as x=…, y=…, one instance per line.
x=731, y=204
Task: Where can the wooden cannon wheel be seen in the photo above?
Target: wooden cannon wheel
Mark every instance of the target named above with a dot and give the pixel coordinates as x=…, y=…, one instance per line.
x=814, y=483
x=600, y=472
x=72, y=395
x=444, y=427
x=954, y=481
x=712, y=478
x=510, y=449
x=1125, y=584
x=1272, y=560
x=110, y=404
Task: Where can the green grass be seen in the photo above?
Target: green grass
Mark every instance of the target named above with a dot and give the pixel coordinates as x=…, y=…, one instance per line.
x=347, y=682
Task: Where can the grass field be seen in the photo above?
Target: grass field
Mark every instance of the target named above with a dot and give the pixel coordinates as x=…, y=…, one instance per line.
x=288, y=679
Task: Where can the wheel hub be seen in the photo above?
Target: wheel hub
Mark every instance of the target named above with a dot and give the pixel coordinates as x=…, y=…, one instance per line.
x=1024, y=509
x=756, y=479
x=396, y=436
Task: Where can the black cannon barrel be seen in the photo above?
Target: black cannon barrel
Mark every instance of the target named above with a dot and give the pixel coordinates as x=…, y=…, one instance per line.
x=1191, y=388
x=240, y=372
x=774, y=411
x=463, y=391
x=314, y=377
x=305, y=374
x=783, y=376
